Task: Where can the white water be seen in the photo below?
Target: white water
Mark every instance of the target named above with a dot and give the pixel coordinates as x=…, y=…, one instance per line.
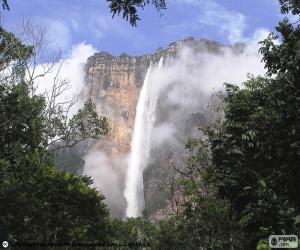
x=140, y=144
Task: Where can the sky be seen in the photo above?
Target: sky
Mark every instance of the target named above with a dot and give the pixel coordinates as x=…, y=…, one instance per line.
x=72, y=22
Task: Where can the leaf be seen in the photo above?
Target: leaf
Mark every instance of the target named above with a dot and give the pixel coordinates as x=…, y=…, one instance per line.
x=26, y=219
x=263, y=183
x=263, y=245
x=295, y=144
x=297, y=219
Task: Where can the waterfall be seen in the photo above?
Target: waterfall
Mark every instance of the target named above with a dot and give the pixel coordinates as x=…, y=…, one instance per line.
x=140, y=144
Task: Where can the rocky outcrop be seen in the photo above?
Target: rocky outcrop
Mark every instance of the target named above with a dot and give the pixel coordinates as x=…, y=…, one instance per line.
x=114, y=84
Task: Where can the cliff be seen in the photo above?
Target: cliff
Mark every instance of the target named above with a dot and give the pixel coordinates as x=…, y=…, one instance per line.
x=114, y=83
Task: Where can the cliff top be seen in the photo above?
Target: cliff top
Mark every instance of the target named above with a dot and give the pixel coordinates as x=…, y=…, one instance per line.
x=172, y=49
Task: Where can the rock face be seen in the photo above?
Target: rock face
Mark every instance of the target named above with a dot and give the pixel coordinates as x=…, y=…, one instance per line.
x=114, y=84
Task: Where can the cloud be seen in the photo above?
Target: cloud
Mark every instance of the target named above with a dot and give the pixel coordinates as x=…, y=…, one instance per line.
x=223, y=21
x=213, y=16
x=58, y=35
x=72, y=69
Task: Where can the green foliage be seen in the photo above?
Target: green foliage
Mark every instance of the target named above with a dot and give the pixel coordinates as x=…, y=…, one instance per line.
x=49, y=206
x=21, y=119
x=86, y=124
x=13, y=57
x=66, y=133
x=132, y=231
x=69, y=161
x=246, y=175
x=12, y=48
x=255, y=164
x=256, y=150
x=43, y=205
x=290, y=6
x=263, y=245
x=204, y=220
x=172, y=234
x=129, y=8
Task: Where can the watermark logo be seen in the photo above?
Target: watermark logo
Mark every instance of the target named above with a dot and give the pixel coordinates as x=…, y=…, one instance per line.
x=5, y=244
x=283, y=241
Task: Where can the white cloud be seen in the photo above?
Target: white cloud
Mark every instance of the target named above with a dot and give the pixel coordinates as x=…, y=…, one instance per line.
x=72, y=69
x=214, y=16
x=58, y=35
x=232, y=24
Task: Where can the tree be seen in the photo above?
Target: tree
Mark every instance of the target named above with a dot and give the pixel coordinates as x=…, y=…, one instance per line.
x=45, y=205
x=133, y=231
x=290, y=6
x=250, y=178
x=49, y=206
x=13, y=58
x=18, y=64
x=256, y=149
x=5, y=5
x=129, y=9
x=203, y=220
x=83, y=125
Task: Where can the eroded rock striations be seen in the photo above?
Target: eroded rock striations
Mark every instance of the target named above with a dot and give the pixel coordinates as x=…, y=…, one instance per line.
x=114, y=84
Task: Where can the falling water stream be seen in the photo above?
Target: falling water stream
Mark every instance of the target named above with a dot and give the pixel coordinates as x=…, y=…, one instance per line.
x=140, y=144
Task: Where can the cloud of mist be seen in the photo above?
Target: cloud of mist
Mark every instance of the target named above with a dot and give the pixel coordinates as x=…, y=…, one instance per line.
x=108, y=175
x=162, y=133
x=70, y=68
x=188, y=82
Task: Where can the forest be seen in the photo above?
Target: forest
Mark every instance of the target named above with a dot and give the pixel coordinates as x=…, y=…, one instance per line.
x=239, y=185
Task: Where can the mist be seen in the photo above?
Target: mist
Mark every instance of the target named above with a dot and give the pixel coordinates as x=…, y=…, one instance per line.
x=108, y=175
x=71, y=68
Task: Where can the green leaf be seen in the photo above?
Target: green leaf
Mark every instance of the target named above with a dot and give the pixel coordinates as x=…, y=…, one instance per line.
x=263, y=245
x=297, y=219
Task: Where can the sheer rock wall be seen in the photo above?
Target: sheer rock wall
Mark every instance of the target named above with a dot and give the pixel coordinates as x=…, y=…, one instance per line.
x=114, y=84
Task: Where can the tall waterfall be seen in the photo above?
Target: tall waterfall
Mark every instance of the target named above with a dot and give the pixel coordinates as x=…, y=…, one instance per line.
x=140, y=144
